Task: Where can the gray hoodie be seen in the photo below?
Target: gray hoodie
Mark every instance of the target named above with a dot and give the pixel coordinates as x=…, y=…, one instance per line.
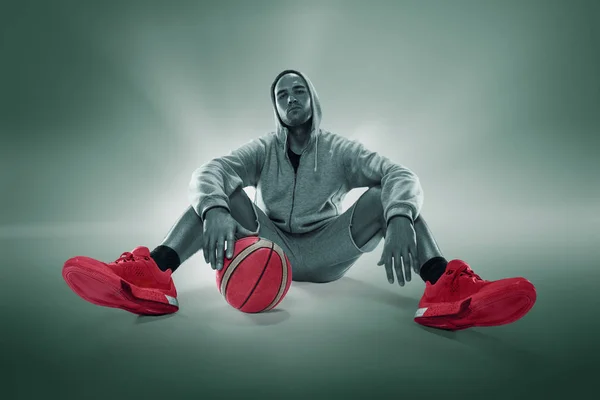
x=330, y=166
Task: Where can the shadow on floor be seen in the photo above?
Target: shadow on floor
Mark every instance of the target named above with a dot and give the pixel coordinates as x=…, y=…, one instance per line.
x=350, y=287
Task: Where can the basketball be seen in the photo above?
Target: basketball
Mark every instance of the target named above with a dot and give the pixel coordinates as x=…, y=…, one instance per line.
x=257, y=277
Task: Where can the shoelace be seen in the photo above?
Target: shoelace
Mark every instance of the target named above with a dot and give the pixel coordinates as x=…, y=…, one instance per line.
x=465, y=271
x=127, y=256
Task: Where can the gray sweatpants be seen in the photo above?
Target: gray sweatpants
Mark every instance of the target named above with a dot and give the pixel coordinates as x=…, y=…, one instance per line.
x=323, y=255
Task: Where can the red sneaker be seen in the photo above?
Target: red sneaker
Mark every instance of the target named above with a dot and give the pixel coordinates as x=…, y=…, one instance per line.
x=133, y=283
x=460, y=299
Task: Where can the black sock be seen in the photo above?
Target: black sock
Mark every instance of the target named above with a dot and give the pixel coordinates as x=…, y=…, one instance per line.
x=433, y=269
x=166, y=258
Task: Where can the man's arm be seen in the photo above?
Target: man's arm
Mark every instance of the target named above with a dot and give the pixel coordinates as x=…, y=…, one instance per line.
x=213, y=183
x=401, y=191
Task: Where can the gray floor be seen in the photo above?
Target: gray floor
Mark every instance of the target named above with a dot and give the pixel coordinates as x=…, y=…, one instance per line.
x=350, y=339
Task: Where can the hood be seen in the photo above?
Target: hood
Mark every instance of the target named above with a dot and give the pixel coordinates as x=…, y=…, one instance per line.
x=282, y=130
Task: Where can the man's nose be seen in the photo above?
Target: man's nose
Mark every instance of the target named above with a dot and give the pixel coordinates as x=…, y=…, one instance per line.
x=292, y=100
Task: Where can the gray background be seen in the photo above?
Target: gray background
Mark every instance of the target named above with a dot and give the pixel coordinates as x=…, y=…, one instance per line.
x=106, y=109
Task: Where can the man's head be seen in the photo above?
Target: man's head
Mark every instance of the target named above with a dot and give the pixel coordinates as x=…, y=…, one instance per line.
x=292, y=99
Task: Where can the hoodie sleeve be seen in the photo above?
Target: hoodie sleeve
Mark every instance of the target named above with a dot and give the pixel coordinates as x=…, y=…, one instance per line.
x=401, y=191
x=213, y=183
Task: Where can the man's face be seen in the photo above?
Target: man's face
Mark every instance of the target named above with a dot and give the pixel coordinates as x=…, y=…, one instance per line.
x=293, y=100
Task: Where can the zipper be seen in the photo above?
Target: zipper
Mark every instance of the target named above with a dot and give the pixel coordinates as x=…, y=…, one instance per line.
x=292, y=208
x=293, y=190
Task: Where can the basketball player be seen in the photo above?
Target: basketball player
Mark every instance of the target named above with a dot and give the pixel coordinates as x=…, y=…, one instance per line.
x=301, y=174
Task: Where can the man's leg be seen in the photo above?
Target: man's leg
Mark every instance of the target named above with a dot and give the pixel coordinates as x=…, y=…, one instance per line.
x=460, y=299
x=368, y=220
x=184, y=239
x=140, y=281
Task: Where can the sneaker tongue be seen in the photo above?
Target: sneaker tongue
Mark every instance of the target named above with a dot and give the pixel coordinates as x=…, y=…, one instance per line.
x=459, y=266
x=469, y=272
x=456, y=264
x=141, y=251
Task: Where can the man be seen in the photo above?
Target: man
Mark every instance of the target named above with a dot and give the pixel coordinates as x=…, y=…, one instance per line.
x=301, y=174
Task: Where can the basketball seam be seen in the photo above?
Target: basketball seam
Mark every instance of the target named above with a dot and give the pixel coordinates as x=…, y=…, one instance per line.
x=280, y=292
x=235, y=262
x=283, y=278
x=235, y=269
x=259, y=278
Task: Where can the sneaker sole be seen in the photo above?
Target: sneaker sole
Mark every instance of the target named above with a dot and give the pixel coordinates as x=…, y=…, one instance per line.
x=504, y=308
x=105, y=289
x=495, y=309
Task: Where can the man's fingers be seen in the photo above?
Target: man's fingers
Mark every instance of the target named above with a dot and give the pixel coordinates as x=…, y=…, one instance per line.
x=220, y=250
x=211, y=253
x=408, y=262
x=382, y=259
x=415, y=261
x=389, y=269
x=386, y=260
x=398, y=267
x=230, y=243
x=206, y=247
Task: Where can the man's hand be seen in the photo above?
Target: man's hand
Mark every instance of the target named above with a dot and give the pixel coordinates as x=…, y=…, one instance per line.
x=220, y=228
x=400, y=248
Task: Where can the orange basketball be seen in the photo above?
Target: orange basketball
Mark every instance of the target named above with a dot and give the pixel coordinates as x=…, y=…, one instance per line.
x=257, y=277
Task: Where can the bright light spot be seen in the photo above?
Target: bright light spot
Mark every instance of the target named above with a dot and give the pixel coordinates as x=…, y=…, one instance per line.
x=251, y=192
